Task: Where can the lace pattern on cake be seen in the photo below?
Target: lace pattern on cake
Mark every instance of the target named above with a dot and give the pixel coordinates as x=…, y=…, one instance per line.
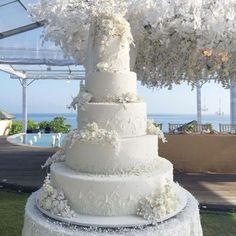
x=107, y=204
x=159, y=204
x=54, y=201
x=127, y=126
x=152, y=129
x=92, y=133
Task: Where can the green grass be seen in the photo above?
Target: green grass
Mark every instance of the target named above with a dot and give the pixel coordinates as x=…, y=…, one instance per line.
x=12, y=205
x=218, y=223
x=12, y=214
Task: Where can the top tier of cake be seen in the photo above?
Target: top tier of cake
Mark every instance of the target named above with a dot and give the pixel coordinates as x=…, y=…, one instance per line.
x=108, y=45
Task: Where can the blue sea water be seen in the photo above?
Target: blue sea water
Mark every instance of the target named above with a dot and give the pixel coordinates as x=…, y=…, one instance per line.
x=164, y=119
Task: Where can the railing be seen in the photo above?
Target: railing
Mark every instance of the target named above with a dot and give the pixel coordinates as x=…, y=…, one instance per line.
x=173, y=127
x=227, y=128
x=192, y=127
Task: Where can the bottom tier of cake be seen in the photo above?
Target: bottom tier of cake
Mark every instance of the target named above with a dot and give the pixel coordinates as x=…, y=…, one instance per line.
x=186, y=223
x=110, y=195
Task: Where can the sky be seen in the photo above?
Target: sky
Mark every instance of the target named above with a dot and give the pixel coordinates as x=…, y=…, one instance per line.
x=53, y=96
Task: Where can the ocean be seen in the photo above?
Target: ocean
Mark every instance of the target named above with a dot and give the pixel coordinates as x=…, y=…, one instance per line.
x=164, y=119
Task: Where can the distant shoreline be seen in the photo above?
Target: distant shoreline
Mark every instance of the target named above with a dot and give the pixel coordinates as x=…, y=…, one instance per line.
x=163, y=119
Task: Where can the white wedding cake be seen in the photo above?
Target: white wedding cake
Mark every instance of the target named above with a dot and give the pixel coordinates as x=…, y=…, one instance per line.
x=110, y=167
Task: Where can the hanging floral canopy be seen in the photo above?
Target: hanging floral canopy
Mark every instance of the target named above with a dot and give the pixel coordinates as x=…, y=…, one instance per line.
x=176, y=40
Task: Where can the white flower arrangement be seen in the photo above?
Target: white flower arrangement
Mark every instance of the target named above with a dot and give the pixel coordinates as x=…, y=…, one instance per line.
x=92, y=133
x=152, y=129
x=54, y=201
x=108, y=44
x=159, y=204
x=83, y=98
x=172, y=38
x=59, y=156
x=109, y=25
x=124, y=98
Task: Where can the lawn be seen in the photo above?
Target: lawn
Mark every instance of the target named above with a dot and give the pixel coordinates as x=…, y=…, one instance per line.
x=12, y=212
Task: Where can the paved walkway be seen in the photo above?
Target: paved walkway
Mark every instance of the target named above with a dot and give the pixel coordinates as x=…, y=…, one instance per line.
x=20, y=168
x=213, y=191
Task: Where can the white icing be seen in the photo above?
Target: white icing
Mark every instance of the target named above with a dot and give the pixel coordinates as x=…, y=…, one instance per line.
x=103, y=159
x=104, y=84
x=126, y=119
x=108, y=195
x=108, y=44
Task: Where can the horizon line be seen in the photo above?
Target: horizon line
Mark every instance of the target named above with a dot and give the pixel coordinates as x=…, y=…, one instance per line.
x=75, y=113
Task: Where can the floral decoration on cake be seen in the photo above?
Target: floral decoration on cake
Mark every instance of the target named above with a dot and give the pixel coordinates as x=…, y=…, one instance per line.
x=159, y=204
x=54, y=201
x=92, y=133
x=124, y=98
x=112, y=25
x=59, y=156
x=83, y=98
x=152, y=129
x=107, y=27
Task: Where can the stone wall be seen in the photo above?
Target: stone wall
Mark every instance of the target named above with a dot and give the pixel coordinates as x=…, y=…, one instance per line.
x=201, y=153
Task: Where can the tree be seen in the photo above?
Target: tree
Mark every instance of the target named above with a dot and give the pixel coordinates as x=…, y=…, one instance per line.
x=174, y=40
x=57, y=125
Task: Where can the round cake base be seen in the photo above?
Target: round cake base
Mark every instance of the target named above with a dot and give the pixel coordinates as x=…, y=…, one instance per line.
x=186, y=223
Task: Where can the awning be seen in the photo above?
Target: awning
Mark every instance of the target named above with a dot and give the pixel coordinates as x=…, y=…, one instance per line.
x=6, y=116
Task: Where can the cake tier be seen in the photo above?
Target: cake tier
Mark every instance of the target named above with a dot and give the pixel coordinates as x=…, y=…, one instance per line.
x=126, y=119
x=109, y=195
x=105, y=84
x=104, y=159
x=108, y=52
x=111, y=56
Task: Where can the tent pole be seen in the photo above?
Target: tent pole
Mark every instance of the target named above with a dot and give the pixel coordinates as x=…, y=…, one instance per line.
x=199, y=104
x=24, y=106
x=233, y=102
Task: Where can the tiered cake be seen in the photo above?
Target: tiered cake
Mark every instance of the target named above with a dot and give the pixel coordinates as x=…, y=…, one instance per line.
x=109, y=167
